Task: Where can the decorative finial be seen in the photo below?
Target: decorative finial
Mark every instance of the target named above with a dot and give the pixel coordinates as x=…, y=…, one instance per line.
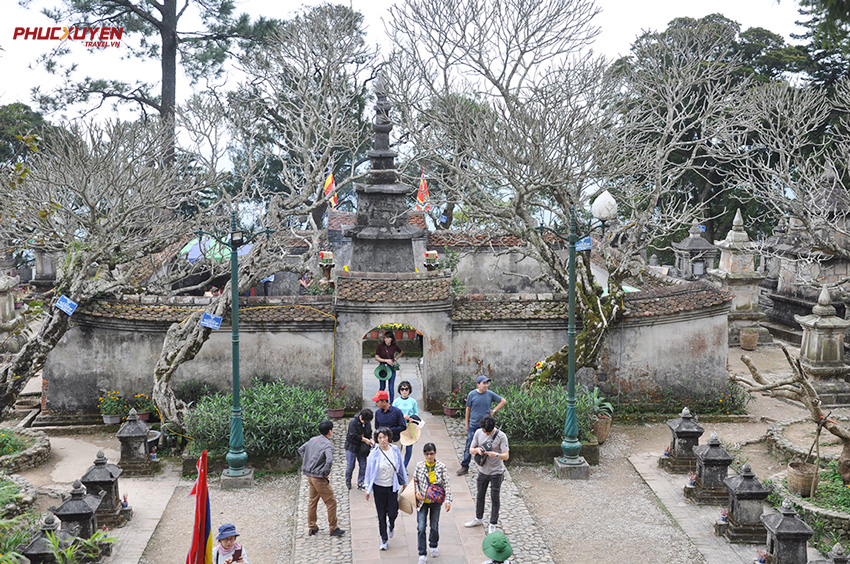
x=738, y=222
x=824, y=307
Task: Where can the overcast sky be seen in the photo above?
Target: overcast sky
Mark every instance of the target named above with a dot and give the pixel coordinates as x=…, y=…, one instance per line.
x=620, y=22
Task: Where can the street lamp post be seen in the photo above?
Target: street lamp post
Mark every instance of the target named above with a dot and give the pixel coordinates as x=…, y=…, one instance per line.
x=236, y=456
x=571, y=464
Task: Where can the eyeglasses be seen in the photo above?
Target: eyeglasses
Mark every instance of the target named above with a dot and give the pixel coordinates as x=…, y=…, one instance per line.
x=404, y=389
x=430, y=453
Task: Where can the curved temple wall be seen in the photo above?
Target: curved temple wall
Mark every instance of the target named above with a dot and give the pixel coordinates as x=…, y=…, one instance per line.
x=672, y=338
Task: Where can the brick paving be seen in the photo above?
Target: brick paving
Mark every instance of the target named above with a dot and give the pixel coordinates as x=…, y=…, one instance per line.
x=458, y=545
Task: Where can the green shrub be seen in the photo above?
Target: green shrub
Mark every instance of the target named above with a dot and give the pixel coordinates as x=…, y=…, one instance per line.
x=10, y=443
x=16, y=533
x=276, y=418
x=191, y=391
x=537, y=415
x=732, y=400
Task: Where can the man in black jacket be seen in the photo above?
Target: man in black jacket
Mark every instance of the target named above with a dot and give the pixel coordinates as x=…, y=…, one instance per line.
x=358, y=442
x=317, y=457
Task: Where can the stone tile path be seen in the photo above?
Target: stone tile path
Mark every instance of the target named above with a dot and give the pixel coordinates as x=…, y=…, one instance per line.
x=458, y=545
x=148, y=497
x=696, y=520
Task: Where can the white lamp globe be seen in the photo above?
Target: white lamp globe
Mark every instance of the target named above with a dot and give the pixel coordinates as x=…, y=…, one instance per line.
x=604, y=207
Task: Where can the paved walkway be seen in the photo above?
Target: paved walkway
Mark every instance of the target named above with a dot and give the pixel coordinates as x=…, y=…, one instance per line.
x=148, y=497
x=697, y=520
x=458, y=545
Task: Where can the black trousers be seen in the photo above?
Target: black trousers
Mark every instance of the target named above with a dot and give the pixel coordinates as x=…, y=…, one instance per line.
x=386, y=502
x=495, y=483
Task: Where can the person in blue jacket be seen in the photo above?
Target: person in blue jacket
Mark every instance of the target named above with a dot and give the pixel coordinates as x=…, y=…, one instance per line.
x=409, y=408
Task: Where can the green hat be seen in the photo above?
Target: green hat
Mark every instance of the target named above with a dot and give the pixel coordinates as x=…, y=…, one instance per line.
x=496, y=546
x=383, y=372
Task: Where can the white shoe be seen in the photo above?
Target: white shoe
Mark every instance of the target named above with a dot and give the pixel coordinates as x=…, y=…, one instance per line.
x=422, y=560
x=434, y=553
x=390, y=532
x=474, y=523
x=491, y=528
x=383, y=546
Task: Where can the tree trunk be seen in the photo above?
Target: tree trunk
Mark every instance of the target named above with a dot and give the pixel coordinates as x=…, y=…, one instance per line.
x=168, y=35
x=844, y=461
x=30, y=359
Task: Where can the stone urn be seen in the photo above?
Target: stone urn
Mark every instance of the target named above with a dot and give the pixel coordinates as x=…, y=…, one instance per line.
x=749, y=337
x=601, y=428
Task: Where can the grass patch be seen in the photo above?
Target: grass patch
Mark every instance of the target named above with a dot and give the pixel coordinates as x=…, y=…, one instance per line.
x=10, y=443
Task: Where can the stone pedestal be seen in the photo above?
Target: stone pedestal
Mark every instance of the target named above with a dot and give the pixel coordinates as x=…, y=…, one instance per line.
x=746, y=497
x=786, y=536
x=579, y=471
x=238, y=482
x=737, y=274
x=712, y=466
x=685, y=436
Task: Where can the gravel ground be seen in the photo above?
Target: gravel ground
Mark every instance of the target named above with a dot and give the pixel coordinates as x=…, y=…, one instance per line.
x=263, y=515
x=614, y=514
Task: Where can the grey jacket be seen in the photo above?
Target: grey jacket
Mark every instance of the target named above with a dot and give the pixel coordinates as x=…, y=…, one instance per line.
x=317, y=456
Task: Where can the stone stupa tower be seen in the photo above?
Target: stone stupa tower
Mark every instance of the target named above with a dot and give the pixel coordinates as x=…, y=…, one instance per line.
x=382, y=237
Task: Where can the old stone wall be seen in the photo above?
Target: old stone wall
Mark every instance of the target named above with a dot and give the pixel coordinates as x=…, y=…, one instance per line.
x=672, y=338
x=34, y=456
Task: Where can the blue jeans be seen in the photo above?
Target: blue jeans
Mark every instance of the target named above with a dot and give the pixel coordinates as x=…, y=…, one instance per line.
x=421, y=517
x=467, y=458
x=408, y=452
x=350, y=459
x=391, y=382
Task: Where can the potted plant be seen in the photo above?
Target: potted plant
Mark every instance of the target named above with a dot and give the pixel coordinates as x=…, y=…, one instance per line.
x=336, y=402
x=454, y=402
x=144, y=406
x=602, y=411
x=112, y=408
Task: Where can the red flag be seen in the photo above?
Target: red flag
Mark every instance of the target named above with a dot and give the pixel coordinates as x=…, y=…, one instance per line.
x=422, y=200
x=202, y=543
x=330, y=186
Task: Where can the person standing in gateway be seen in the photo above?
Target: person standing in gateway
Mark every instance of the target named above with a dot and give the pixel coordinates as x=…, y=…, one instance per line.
x=479, y=404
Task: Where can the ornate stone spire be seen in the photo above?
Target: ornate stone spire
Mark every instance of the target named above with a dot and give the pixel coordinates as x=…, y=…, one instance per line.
x=382, y=157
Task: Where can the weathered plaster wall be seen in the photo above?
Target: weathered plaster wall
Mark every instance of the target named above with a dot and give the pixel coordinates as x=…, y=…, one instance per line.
x=487, y=271
x=504, y=351
x=122, y=356
x=684, y=353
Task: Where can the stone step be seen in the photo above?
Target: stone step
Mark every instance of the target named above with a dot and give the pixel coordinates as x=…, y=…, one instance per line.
x=784, y=333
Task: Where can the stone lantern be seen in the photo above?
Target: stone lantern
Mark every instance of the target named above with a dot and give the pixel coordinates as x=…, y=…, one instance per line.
x=822, y=349
x=79, y=511
x=737, y=274
x=746, y=497
x=712, y=466
x=686, y=433
x=838, y=556
x=786, y=536
x=694, y=255
x=135, y=453
x=103, y=477
x=38, y=550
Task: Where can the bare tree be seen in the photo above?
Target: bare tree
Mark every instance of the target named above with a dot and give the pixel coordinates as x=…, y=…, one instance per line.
x=798, y=388
x=103, y=201
x=299, y=114
x=522, y=122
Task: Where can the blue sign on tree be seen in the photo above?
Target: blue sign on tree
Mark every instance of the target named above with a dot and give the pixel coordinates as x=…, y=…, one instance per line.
x=66, y=304
x=211, y=321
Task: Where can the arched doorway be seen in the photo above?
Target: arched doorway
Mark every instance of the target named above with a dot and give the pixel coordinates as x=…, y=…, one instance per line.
x=411, y=363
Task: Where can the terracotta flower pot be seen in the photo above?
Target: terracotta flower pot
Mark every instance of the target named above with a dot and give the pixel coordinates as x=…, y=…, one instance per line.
x=144, y=416
x=601, y=428
x=450, y=411
x=336, y=413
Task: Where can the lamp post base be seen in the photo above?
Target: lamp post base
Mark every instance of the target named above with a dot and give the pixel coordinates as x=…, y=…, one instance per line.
x=244, y=480
x=579, y=471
